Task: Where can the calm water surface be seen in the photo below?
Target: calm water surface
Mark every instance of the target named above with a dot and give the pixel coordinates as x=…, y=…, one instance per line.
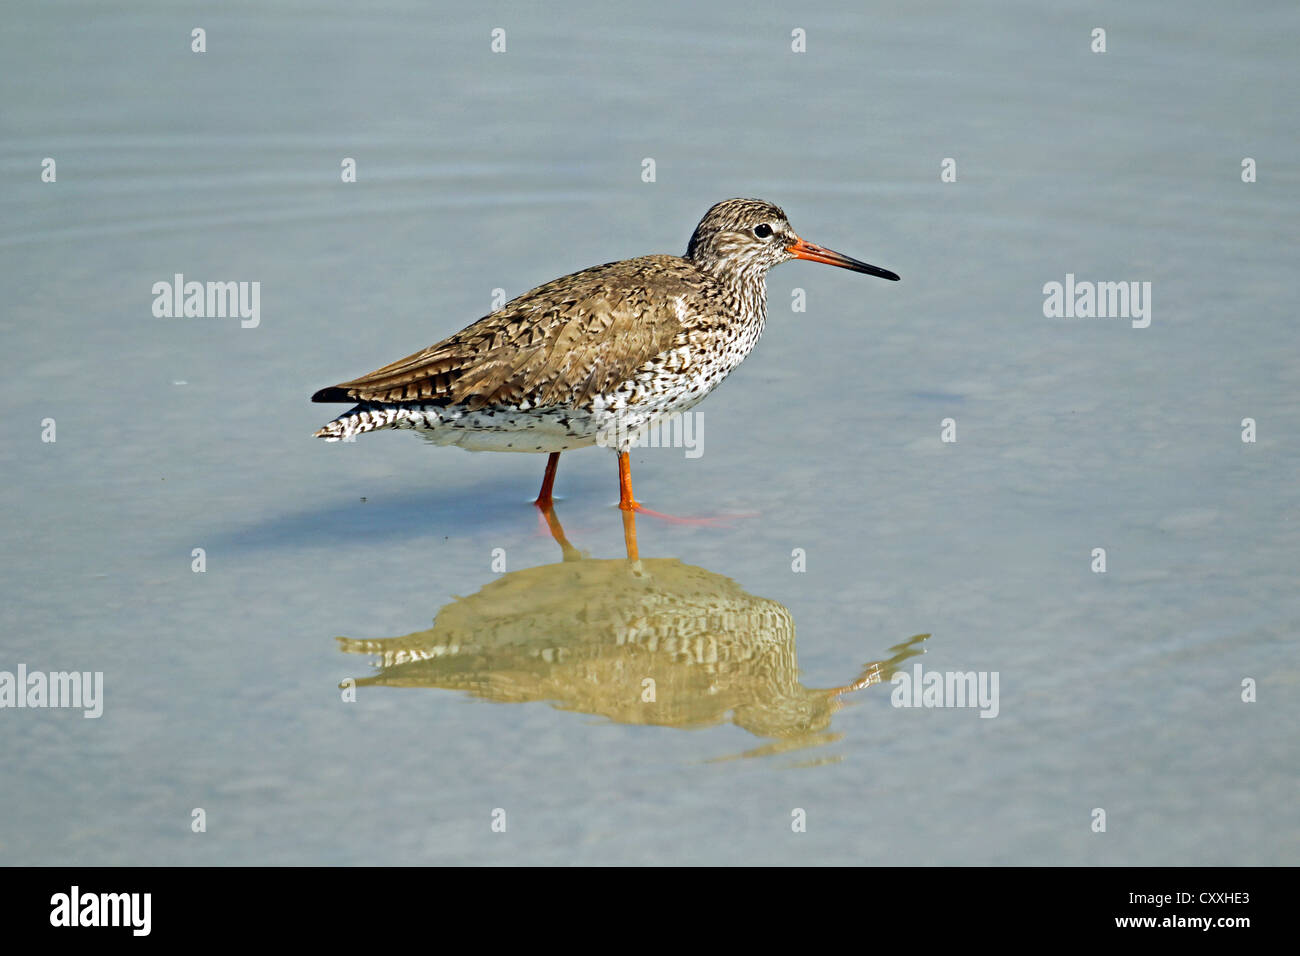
x=494, y=673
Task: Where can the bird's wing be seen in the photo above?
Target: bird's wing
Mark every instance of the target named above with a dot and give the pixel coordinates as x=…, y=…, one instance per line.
x=559, y=345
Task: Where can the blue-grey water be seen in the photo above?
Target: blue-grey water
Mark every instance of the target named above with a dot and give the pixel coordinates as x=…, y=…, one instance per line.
x=1119, y=691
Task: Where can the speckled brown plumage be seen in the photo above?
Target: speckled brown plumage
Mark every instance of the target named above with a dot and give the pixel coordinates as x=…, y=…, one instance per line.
x=608, y=350
x=561, y=344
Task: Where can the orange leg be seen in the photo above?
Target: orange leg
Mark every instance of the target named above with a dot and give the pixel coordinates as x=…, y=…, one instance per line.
x=548, y=481
x=625, y=499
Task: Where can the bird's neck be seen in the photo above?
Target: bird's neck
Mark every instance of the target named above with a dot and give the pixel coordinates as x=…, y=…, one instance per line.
x=747, y=291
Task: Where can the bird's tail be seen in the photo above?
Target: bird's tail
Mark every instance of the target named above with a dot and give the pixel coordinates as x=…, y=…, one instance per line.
x=363, y=418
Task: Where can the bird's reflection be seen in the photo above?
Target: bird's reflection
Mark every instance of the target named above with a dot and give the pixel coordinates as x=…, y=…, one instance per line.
x=639, y=641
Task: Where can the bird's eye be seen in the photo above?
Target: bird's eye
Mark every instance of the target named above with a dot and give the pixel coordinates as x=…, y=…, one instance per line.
x=762, y=230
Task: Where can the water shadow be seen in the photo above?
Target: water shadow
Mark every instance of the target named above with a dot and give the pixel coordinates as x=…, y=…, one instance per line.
x=638, y=641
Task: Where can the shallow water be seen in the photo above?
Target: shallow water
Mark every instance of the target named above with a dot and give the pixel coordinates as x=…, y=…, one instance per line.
x=477, y=171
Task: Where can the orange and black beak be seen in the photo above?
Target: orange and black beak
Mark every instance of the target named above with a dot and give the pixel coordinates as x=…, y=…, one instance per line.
x=802, y=249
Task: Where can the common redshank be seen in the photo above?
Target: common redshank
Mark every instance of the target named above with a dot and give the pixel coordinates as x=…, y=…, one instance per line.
x=595, y=357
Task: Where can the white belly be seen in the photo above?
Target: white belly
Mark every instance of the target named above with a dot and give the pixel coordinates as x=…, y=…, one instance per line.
x=615, y=422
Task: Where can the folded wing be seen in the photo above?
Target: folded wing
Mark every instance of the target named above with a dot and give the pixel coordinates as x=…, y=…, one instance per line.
x=561, y=344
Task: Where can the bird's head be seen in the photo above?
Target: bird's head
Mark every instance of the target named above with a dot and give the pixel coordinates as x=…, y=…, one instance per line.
x=749, y=236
